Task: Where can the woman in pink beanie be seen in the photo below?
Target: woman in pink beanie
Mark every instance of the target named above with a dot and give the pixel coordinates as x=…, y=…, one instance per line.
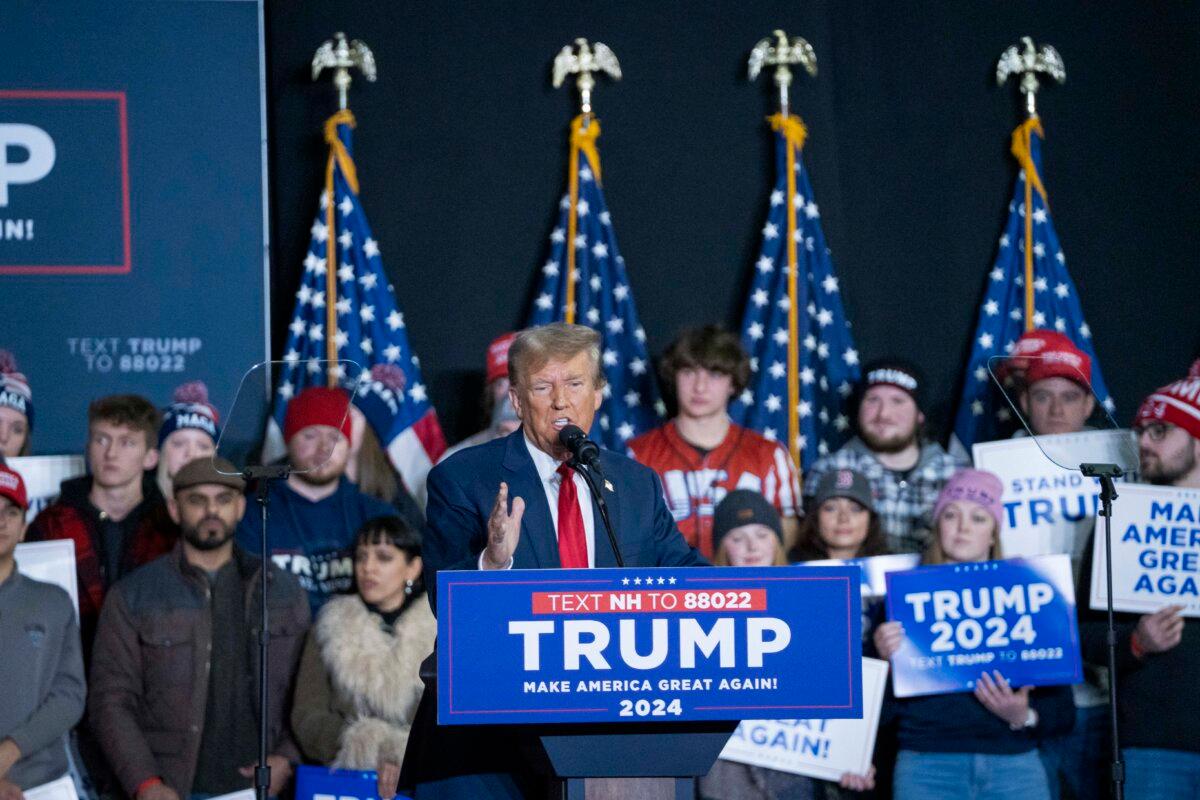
x=982, y=744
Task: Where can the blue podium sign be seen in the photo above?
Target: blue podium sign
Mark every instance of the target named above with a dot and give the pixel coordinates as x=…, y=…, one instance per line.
x=960, y=620
x=322, y=783
x=623, y=645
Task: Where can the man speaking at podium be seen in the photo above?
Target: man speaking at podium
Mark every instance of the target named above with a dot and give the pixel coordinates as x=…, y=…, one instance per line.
x=515, y=503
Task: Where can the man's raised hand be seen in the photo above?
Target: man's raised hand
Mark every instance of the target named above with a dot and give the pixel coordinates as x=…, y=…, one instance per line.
x=504, y=529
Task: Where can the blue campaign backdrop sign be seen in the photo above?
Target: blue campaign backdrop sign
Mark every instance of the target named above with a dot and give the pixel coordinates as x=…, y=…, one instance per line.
x=322, y=783
x=960, y=620
x=613, y=645
x=132, y=206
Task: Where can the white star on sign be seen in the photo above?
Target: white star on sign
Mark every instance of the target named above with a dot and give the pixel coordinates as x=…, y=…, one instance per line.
x=765, y=264
x=319, y=231
x=417, y=393
x=624, y=581
x=778, y=370
x=770, y=231
x=1061, y=291
x=850, y=357
x=830, y=284
x=625, y=431
x=632, y=398
x=392, y=353
x=544, y=301
x=370, y=248
x=985, y=341
x=367, y=314
x=600, y=250
x=773, y=402
x=550, y=269
x=991, y=308
x=395, y=320
x=637, y=581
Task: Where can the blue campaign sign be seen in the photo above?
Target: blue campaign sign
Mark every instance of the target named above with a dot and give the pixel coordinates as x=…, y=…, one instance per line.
x=322, y=783
x=613, y=645
x=960, y=620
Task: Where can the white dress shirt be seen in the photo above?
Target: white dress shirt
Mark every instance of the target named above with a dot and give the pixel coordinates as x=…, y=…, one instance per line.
x=547, y=470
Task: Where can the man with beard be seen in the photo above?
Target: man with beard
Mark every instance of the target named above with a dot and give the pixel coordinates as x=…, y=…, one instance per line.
x=314, y=514
x=1154, y=651
x=173, y=686
x=905, y=473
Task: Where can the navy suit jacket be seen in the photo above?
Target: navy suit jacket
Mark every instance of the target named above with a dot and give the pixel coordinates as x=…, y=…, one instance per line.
x=462, y=490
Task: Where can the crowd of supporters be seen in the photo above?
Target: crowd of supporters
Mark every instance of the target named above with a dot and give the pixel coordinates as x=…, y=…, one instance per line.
x=151, y=692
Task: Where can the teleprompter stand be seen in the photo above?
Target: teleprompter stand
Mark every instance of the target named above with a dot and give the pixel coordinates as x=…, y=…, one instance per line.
x=1106, y=474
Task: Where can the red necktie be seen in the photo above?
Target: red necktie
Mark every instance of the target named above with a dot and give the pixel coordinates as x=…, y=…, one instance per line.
x=572, y=543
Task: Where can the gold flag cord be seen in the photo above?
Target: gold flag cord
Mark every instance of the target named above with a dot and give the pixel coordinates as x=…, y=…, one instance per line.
x=794, y=132
x=585, y=130
x=341, y=157
x=1023, y=151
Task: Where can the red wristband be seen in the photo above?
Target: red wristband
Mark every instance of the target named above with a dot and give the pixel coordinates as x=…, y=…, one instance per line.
x=1135, y=646
x=153, y=779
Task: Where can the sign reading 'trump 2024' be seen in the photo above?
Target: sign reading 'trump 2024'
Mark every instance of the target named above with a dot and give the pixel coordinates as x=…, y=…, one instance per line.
x=611, y=645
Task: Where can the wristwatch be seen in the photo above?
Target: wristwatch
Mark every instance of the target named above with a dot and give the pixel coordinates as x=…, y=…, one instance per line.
x=1031, y=721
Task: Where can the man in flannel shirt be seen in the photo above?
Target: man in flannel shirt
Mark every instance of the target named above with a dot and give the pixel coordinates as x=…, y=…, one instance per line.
x=906, y=474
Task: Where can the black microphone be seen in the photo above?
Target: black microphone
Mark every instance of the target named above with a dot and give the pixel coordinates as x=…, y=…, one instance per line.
x=584, y=450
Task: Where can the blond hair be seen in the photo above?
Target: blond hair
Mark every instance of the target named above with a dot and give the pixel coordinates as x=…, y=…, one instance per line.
x=934, y=554
x=535, y=347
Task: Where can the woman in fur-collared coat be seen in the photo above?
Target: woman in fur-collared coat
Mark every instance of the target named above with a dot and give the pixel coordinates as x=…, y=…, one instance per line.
x=359, y=683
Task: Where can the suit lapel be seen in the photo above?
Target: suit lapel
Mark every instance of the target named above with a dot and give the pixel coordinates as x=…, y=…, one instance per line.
x=604, y=551
x=536, y=549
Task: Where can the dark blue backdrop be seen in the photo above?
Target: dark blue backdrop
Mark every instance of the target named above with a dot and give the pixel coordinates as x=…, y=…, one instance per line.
x=150, y=225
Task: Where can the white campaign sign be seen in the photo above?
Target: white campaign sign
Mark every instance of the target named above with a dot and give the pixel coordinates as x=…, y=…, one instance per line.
x=1156, y=551
x=818, y=748
x=50, y=562
x=43, y=475
x=61, y=789
x=874, y=569
x=1049, y=509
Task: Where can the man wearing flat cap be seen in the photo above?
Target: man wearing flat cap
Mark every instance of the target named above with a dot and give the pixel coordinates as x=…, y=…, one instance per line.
x=173, y=686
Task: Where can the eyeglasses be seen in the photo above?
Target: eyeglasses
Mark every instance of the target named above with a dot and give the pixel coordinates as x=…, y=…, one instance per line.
x=1155, y=431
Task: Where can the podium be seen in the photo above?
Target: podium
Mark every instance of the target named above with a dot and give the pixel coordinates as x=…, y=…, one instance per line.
x=627, y=683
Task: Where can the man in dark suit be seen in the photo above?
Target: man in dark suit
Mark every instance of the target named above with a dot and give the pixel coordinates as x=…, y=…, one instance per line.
x=514, y=503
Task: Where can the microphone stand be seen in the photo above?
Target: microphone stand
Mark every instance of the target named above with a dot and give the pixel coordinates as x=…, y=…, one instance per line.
x=590, y=479
x=263, y=475
x=1105, y=473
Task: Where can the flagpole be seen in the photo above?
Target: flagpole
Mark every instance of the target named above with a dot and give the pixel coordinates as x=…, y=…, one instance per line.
x=340, y=56
x=780, y=55
x=1027, y=62
x=582, y=59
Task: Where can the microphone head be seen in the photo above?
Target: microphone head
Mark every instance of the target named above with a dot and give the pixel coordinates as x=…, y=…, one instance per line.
x=569, y=435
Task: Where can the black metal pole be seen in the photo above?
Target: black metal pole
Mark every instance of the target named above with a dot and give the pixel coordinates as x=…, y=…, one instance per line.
x=262, y=773
x=1105, y=473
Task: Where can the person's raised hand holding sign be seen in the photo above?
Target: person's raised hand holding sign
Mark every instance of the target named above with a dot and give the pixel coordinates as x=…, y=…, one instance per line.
x=1158, y=632
x=504, y=530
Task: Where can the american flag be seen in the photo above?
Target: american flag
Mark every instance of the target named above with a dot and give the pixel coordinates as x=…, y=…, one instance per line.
x=601, y=297
x=826, y=363
x=1004, y=316
x=368, y=328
